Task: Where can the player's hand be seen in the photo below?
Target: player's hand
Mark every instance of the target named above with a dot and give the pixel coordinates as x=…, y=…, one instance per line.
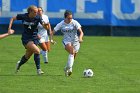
x=80, y=40
x=53, y=42
x=10, y=31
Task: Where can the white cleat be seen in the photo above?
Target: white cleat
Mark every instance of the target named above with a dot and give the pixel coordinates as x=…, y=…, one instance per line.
x=17, y=67
x=46, y=62
x=67, y=72
x=40, y=72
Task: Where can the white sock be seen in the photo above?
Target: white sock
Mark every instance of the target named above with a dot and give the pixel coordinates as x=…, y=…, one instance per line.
x=45, y=56
x=70, y=62
x=41, y=51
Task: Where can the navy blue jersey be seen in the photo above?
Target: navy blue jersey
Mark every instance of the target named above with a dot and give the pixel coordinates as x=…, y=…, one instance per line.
x=30, y=27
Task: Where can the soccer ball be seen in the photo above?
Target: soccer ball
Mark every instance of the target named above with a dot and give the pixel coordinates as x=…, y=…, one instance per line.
x=88, y=73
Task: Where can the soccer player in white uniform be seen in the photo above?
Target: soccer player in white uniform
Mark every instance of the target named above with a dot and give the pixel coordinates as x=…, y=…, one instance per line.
x=43, y=36
x=71, y=41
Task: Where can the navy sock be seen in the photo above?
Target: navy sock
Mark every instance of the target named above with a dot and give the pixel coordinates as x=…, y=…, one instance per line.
x=37, y=60
x=23, y=60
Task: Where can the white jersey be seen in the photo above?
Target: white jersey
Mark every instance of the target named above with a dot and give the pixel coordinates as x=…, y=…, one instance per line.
x=42, y=31
x=69, y=30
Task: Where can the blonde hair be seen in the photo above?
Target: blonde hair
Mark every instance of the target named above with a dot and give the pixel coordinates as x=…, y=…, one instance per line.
x=30, y=8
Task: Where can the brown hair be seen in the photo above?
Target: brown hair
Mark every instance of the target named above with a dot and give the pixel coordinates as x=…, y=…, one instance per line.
x=67, y=12
x=41, y=8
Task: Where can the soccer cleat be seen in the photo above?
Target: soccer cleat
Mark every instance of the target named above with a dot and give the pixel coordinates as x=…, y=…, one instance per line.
x=66, y=71
x=39, y=72
x=69, y=73
x=46, y=62
x=17, y=66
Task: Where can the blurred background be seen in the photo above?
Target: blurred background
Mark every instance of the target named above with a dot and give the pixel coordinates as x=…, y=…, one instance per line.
x=97, y=17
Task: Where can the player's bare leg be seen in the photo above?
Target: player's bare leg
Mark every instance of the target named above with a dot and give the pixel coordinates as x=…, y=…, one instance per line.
x=24, y=59
x=45, y=49
x=68, y=68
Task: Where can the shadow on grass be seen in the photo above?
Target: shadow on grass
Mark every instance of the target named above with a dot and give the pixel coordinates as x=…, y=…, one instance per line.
x=27, y=75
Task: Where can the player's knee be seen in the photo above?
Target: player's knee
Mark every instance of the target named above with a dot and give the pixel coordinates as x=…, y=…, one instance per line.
x=72, y=52
x=27, y=56
x=44, y=49
x=48, y=49
x=37, y=51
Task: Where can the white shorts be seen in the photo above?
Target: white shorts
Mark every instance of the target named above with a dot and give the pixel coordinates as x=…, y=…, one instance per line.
x=44, y=38
x=44, y=35
x=76, y=45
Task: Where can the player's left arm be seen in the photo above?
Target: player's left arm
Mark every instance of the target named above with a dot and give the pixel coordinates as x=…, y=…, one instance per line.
x=81, y=35
x=44, y=23
x=49, y=28
x=78, y=26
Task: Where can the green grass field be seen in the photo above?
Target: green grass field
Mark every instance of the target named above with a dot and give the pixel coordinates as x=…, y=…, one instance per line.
x=114, y=60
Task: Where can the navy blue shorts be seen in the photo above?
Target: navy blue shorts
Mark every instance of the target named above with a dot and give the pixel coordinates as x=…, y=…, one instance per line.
x=24, y=42
x=26, y=39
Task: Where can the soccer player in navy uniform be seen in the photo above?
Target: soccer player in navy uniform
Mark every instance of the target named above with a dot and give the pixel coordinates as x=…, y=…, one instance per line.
x=29, y=38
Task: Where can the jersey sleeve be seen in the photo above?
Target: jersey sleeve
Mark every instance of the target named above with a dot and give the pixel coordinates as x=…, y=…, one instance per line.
x=57, y=27
x=77, y=25
x=45, y=19
x=20, y=16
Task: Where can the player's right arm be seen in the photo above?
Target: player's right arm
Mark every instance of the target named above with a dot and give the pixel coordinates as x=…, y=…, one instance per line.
x=18, y=17
x=11, y=22
x=56, y=28
x=78, y=27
